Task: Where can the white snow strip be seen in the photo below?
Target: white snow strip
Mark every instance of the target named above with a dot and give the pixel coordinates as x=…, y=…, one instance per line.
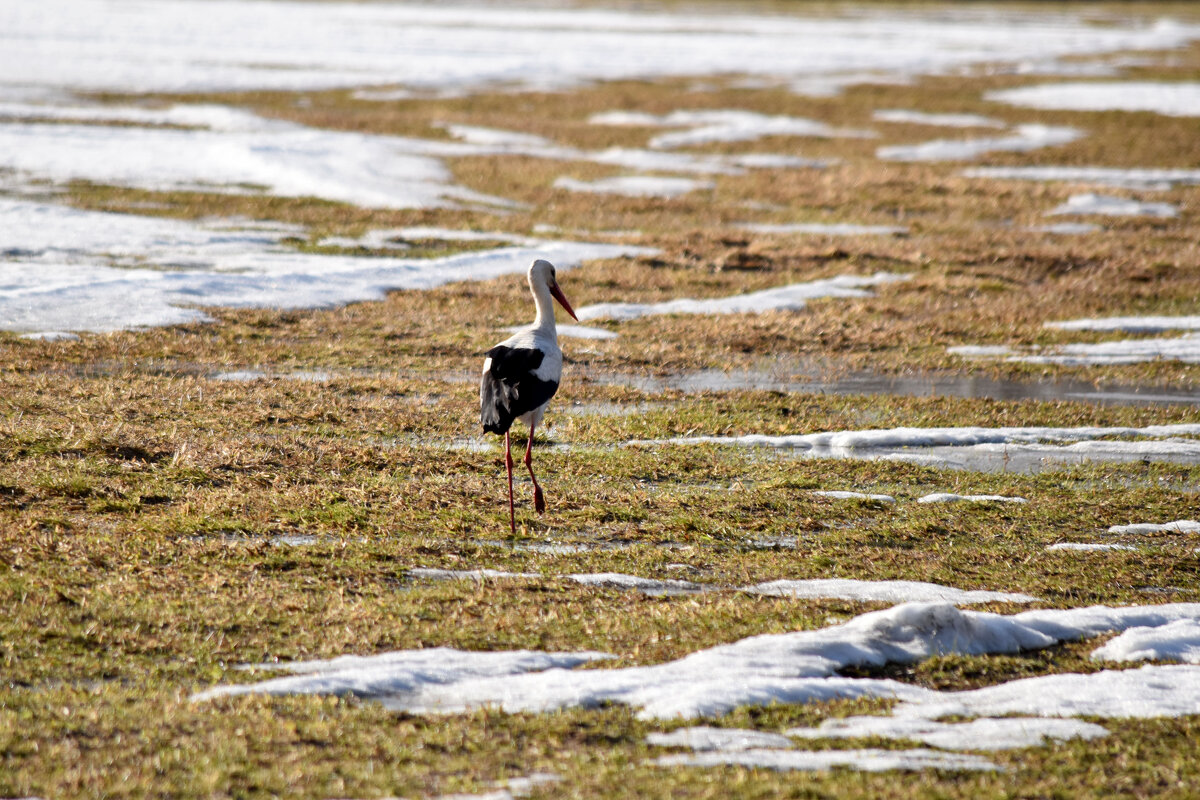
x=617, y=580
x=980, y=734
x=1113, y=207
x=723, y=125
x=634, y=186
x=936, y=437
x=839, y=495
x=51, y=336
x=946, y=497
x=1178, y=526
x=1175, y=641
x=1142, y=178
x=824, y=760
x=64, y=269
x=1130, y=324
x=1024, y=139
x=825, y=229
x=1067, y=228
x=724, y=739
x=400, y=238
x=434, y=574
x=1152, y=691
x=941, y=120
x=1086, y=547
x=1170, y=99
x=776, y=161
x=785, y=298
x=882, y=591
x=399, y=672
x=789, y=668
x=1127, y=351
x=497, y=138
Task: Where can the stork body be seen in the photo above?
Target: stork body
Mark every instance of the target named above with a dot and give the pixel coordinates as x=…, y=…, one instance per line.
x=521, y=374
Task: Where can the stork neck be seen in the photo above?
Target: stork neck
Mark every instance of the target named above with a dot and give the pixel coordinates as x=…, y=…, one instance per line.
x=545, y=306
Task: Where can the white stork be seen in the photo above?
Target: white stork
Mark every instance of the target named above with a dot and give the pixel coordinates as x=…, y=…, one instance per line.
x=521, y=374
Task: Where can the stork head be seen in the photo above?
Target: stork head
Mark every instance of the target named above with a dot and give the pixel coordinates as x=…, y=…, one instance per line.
x=541, y=272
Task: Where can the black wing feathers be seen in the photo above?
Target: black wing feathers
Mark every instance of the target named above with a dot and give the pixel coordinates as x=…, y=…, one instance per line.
x=509, y=388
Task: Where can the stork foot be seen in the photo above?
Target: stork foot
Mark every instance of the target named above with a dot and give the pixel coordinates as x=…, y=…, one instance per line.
x=539, y=500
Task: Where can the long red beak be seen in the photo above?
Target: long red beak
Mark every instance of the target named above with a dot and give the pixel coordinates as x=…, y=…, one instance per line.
x=562, y=300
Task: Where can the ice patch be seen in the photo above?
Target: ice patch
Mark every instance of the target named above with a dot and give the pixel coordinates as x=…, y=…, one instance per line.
x=64, y=269
x=1178, y=526
x=617, y=580
x=946, y=497
x=837, y=495
x=1067, y=228
x=785, y=298
x=979, y=734
x=1024, y=139
x=825, y=229
x=634, y=186
x=51, y=336
x=1113, y=207
x=1105, y=176
x=1127, y=351
x=1170, y=99
x=434, y=574
x=882, y=591
x=724, y=739
x=824, y=760
x=1175, y=641
x=941, y=120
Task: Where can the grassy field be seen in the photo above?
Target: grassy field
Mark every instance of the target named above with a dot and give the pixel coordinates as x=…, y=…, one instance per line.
x=146, y=508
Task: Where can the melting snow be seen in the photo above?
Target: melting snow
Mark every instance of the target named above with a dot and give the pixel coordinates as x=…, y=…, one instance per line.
x=1113, y=207
x=882, y=591
x=945, y=497
x=1087, y=547
x=790, y=668
x=1171, y=99
x=634, y=186
x=1129, y=324
x=942, y=120
x=1105, y=176
x=826, y=229
x=823, y=760
x=1178, y=526
x=1067, y=229
x=724, y=739
x=785, y=298
x=979, y=734
x=64, y=269
x=835, y=495
x=1127, y=351
x=725, y=125
x=1175, y=641
x=1022, y=140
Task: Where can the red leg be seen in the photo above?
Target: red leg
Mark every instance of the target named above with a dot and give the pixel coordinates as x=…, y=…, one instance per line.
x=539, y=500
x=508, y=462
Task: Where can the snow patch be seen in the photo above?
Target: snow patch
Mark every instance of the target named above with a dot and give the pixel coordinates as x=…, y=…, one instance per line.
x=723, y=125
x=1175, y=641
x=1178, y=526
x=704, y=738
x=946, y=497
x=1138, y=178
x=1129, y=324
x=838, y=495
x=882, y=591
x=1113, y=207
x=1086, y=547
x=824, y=760
x=785, y=298
x=1169, y=99
x=979, y=734
x=825, y=229
x=941, y=120
x=634, y=186
x=1024, y=139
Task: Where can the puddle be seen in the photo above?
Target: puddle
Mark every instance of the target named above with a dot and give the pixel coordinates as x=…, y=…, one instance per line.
x=926, y=385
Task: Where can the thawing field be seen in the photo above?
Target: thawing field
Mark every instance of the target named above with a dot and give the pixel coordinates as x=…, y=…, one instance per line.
x=875, y=469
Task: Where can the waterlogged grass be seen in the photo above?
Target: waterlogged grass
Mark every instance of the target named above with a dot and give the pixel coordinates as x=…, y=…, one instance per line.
x=159, y=527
